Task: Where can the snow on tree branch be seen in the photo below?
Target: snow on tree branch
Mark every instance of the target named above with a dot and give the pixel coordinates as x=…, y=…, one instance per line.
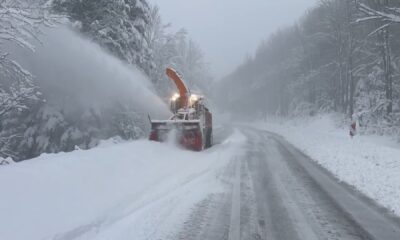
x=20, y=24
x=391, y=15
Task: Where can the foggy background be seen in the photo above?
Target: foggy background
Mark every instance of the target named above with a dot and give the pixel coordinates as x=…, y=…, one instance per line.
x=230, y=30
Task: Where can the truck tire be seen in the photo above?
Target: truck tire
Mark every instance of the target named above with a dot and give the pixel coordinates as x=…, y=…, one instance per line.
x=209, y=139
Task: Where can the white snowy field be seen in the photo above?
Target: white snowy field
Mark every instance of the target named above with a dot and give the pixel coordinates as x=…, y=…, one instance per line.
x=135, y=190
x=369, y=163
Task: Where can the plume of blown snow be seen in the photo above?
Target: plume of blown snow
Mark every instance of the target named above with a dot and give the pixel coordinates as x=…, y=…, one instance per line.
x=76, y=74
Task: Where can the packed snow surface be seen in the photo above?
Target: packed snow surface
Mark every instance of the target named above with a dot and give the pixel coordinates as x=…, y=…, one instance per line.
x=134, y=190
x=369, y=163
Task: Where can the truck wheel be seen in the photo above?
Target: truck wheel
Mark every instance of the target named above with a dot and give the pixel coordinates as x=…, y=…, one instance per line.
x=203, y=141
x=209, y=138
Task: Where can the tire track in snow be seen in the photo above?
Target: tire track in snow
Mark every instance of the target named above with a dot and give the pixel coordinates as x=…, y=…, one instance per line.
x=234, y=226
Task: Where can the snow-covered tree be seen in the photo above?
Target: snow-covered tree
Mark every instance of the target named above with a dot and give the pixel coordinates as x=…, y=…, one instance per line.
x=190, y=61
x=20, y=25
x=381, y=11
x=177, y=50
x=343, y=55
x=117, y=25
x=382, y=15
x=130, y=124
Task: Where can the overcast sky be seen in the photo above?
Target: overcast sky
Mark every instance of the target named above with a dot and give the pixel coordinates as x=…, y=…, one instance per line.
x=229, y=30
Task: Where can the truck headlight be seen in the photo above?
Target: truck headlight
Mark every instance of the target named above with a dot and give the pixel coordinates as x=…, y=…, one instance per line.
x=175, y=97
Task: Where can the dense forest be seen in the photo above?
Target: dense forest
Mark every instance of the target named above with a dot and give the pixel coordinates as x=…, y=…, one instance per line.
x=40, y=116
x=342, y=56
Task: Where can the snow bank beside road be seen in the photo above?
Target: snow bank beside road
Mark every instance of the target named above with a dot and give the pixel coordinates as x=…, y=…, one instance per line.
x=369, y=163
x=137, y=190
x=6, y=161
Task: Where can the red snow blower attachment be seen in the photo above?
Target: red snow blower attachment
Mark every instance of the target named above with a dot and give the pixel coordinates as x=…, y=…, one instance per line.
x=191, y=122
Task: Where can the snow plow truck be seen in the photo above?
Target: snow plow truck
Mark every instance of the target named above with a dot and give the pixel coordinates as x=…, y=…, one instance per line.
x=191, y=121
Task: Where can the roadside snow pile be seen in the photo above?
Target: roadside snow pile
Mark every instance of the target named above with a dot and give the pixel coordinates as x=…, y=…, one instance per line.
x=136, y=190
x=369, y=163
x=6, y=161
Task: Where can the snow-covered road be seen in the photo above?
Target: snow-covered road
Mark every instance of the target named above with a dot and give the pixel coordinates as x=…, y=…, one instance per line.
x=273, y=191
x=136, y=190
x=251, y=185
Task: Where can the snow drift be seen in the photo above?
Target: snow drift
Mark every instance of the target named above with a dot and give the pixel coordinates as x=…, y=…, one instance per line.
x=137, y=190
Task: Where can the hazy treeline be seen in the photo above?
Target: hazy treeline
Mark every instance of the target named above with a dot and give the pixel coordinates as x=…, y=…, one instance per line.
x=342, y=56
x=59, y=108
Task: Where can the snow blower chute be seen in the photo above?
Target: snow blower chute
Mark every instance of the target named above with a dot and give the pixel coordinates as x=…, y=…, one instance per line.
x=191, y=120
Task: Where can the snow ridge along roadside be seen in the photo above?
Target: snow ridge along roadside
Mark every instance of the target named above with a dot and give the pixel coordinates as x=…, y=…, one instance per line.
x=369, y=163
x=136, y=190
